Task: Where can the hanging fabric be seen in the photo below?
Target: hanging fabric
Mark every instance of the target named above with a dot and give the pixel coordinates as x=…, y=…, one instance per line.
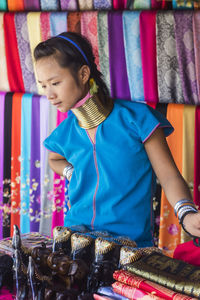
x=35, y=166
x=49, y=5
x=102, y=4
x=186, y=58
x=148, y=55
x=3, y=5
x=85, y=4
x=2, y=105
x=119, y=87
x=141, y=4
x=15, y=5
x=12, y=56
x=119, y=4
x=156, y=4
x=182, y=4
x=69, y=4
x=170, y=230
x=32, y=5
x=131, y=32
x=25, y=52
x=46, y=205
x=196, y=33
x=197, y=158
x=45, y=25
x=4, y=84
x=26, y=113
x=7, y=164
x=58, y=23
x=89, y=29
x=34, y=33
x=74, y=22
x=188, y=153
x=102, y=34
x=169, y=82
x=15, y=160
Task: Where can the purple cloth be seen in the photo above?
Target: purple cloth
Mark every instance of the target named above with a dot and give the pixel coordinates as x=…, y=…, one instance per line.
x=32, y=5
x=186, y=56
x=2, y=104
x=35, y=166
x=118, y=71
x=102, y=4
x=68, y=4
x=25, y=52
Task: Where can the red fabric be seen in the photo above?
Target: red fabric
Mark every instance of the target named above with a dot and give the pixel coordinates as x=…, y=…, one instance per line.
x=12, y=56
x=15, y=162
x=119, y=4
x=148, y=54
x=156, y=4
x=147, y=286
x=188, y=252
x=197, y=158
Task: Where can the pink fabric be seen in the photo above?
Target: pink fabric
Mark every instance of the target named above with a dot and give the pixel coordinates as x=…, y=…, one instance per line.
x=45, y=25
x=59, y=189
x=82, y=101
x=119, y=4
x=197, y=158
x=196, y=33
x=5, y=294
x=156, y=4
x=148, y=53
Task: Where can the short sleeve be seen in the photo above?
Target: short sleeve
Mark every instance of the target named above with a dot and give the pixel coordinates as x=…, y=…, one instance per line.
x=147, y=120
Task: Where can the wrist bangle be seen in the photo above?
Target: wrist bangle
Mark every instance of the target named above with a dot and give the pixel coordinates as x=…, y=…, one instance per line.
x=181, y=203
x=67, y=172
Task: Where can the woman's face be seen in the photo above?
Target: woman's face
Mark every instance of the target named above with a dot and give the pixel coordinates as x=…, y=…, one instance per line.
x=58, y=83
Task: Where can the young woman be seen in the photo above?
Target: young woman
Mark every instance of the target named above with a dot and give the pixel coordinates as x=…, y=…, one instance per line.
x=109, y=150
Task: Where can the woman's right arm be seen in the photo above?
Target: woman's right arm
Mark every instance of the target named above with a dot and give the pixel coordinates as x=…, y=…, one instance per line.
x=57, y=162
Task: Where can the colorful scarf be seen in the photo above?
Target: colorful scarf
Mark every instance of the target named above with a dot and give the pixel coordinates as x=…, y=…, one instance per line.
x=186, y=58
x=26, y=115
x=2, y=104
x=119, y=87
x=32, y=5
x=85, y=4
x=58, y=22
x=148, y=53
x=15, y=162
x=131, y=32
x=12, y=56
x=68, y=4
x=25, y=52
x=15, y=5
x=4, y=84
x=119, y=4
x=102, y=29
x=35, y=166
x=49, y=4
x=102, y=4
x=74, y=22
x=45, y=25
x=196, y=33
x=181, y=4
x=169, y=83
x=142, y=4
x=3, y=5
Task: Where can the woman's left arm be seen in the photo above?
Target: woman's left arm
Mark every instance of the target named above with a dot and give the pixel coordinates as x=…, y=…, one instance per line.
x=171, y=180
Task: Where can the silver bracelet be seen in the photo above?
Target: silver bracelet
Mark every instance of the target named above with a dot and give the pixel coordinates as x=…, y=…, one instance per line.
x=181, y=203
x=68, y=170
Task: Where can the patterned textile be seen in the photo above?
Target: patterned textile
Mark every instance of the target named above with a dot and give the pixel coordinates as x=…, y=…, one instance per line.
x=89, y=29
x=15, y=162
x=102, y=4
x=102, y=28
x=68, y=4
x=196, y=33
x=25, y=162
x=32, y=5
x=180, y=4
x=4, y=85
x=169, y=83
x=34, y=32
x=170, y=230
x=148, y=286
x=148, y=53
x=197, y=158
x=7, y=164
x=186, y=58
x=131, y=32
x=2, y=104
x=45, y=25
x=119, y=88
x=35, y=166
x=58, y=23
x=85, y=4
x=142, y=4
x=74, y=22
x=24, y=52
x=12, y=56
x=49, y=4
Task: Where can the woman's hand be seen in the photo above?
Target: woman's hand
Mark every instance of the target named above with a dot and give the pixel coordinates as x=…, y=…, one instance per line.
x=191, y=223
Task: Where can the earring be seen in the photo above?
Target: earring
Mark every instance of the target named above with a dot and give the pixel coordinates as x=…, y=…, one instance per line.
x=93, y=86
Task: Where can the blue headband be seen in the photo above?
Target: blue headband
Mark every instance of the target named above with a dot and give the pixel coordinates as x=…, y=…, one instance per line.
x=75, y=45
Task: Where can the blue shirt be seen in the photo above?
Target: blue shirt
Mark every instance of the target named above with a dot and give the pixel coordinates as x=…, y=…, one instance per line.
x=113, y=182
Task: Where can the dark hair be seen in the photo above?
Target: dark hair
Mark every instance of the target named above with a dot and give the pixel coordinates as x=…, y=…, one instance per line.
x=68, y=56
